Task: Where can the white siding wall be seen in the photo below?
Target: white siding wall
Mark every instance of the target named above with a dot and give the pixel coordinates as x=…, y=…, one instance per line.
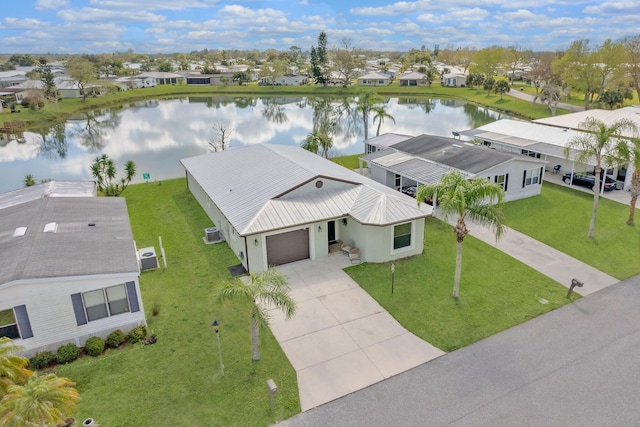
x=51, y=314
x=235, y=241
x=516, y=169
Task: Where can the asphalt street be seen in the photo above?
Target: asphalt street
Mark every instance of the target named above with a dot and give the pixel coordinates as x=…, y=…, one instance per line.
x=575, y=366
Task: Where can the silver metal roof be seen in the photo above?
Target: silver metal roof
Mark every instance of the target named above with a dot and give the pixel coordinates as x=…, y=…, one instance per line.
x=75, y=249
x=386, y=140
x=259, y=188
x=48, y=189
x=608, y=117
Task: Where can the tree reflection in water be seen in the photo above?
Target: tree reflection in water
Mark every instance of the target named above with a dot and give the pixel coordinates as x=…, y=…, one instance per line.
x=54, y=141
x=93, y=128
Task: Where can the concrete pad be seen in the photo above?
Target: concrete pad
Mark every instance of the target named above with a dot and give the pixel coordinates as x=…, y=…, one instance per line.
x=311, y=316
x=374, y=329
x=309, y=350
x=335, y=378
x=352, y=304
x=401, y=353
x=332, y=286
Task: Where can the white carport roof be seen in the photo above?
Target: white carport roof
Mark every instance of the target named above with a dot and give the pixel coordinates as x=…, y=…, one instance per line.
x=255, y=189
x=608, y=117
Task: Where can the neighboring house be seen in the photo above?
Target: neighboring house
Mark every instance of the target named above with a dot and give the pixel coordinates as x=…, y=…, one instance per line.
x=287, y=80
x=276, y=204
x=69, y=266
x=400, y=161
x=454, y=79
x=546, y=139
x=374, y=79
x=12, y=78
x=135, y=82
x=163, y=78
x=412, y=78
x=199, y=79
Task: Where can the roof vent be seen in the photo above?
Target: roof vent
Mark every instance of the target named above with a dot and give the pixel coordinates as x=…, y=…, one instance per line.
x=19, y=231
x=51, y=227
x=92, y=224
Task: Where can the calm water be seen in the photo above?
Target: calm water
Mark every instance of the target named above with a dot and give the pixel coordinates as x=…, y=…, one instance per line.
x=156, y=134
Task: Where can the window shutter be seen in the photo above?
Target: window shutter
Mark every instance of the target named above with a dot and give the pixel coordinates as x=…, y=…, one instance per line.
x=22, y=318
x=133, y=297
x=78, y=309
x=524, y=178
x=506, y=182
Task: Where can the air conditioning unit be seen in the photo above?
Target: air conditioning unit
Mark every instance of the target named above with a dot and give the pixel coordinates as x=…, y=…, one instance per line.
x=148, y=258
x=213, y=235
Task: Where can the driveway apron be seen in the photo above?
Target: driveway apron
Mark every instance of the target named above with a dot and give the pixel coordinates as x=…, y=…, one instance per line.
x=340, y=339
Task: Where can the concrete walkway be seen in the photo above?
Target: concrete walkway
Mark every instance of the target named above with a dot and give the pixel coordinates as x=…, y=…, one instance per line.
x=530, y=98
x=341, y=340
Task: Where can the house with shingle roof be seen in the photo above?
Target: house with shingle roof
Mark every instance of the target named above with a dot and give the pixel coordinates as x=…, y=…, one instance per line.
x=69, y=267
x=402, y=161
x=276, y=204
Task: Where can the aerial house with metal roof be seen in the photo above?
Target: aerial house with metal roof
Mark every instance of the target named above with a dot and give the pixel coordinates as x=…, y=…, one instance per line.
x=277, y=204
x=69, y=266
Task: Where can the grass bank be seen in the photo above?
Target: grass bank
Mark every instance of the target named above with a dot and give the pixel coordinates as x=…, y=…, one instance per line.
x=58, y=112
x=177, y=382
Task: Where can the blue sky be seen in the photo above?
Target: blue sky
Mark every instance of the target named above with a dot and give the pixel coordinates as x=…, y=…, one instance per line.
x=153, y=26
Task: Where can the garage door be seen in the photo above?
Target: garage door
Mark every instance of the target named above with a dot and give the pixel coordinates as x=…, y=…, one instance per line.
x=288, y=247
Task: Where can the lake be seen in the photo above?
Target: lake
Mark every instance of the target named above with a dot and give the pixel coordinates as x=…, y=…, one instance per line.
x=156, y=134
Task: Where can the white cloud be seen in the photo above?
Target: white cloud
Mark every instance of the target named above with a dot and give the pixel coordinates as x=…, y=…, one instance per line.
x=101, y=15
x=154, y=4
x=614, y=8
x=51, y=4
x=21, y=24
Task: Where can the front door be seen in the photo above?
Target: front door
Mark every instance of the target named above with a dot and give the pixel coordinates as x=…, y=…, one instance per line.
x=331, y=232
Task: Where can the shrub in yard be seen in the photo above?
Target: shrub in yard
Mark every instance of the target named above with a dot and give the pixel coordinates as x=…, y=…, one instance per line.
x=136, y=334
x=94, y=346
x=68, y=353
x=42, y=360
x=115, y=338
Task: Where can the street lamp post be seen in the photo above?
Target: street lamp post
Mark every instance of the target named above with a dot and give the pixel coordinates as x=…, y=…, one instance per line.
x=393, y=273
x=216, y=325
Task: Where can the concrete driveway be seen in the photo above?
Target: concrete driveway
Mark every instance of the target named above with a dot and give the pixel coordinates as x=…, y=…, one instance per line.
x=341, y=340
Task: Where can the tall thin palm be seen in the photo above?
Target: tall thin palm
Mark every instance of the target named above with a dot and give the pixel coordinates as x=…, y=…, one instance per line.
x=381, y=114
x=265, y=290
x=366, y=101
x=477, y=199
x=635, y=180
x=43, y=401
x=13, y=367
x=604, y=144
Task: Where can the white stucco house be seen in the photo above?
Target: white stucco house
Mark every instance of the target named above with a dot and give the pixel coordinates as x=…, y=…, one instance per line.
x=277, y=204
x=374, y=79
x=400, y=161
x=454, y=79
x=69, y=266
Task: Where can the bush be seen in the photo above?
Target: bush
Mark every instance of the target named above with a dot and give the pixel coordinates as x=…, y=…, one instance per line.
x=94, y=346
x=42, y=360
x=115, y=338
x=136, y=334
x=68, y=353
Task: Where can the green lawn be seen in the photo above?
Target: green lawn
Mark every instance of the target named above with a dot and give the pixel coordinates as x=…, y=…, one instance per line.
x=177, y=381
x=350, y=162
x=559, y=217
x=496, y=291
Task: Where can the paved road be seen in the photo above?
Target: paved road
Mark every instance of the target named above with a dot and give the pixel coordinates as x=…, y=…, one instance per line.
x=527, y=97
x=575, y=366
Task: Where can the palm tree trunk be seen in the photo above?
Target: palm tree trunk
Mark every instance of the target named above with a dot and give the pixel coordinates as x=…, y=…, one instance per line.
x=456, y=277
x=632, y=208
x=379, y=124
x=594, y=209
x=635, y=193
x=255, y=339
x=365, y=119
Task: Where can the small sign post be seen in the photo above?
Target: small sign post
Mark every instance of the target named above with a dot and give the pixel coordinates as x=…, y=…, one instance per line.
x=146, y=176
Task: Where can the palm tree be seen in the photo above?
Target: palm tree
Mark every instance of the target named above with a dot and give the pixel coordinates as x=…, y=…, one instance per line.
x=501, y=86
x=635, y=180
x=366, y=101
x=29, y=180
x=380, y=115
x=13, y=368
x=477, y=199
x=103, y=169
x=603, y=144
x=44, y=400
x=318, y=142
x=263, y=290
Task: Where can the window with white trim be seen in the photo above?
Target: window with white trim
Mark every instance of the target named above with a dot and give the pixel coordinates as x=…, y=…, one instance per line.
x=398, y=180
x=106, y=302
x=8, y=324
x=502, y=181
x=402, y=236
x=532, y=177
